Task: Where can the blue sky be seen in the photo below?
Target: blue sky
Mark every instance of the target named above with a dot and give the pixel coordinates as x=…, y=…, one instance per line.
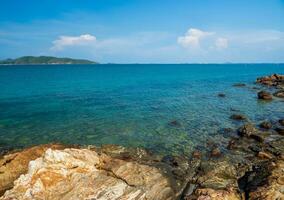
x=145, y=31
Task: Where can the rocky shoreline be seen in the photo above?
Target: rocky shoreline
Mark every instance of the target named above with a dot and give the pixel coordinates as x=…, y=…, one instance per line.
x=251, y=168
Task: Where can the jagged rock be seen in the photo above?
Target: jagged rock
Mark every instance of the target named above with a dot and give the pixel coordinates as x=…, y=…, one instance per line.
x=238, y=117
x=217, y=175
x=15, y=164
x=281, y=121
x=247, y=130
x=279, y=94
x=271, y=188
x=276, y=146
x=279, y=130
x=265, y=125
x=85, y=174
x=273, y=80
x=257, y=137
x=264, y=95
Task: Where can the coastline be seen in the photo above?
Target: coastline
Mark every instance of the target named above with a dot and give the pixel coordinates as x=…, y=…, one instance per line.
x=251, y=167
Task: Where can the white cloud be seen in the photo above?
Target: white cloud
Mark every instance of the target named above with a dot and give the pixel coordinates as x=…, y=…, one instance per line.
x=193, y=37
x=65, y=41
x=221, y=43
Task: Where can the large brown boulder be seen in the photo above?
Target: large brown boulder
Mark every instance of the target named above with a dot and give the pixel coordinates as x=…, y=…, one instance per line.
x=264, y=95
x=279, y=94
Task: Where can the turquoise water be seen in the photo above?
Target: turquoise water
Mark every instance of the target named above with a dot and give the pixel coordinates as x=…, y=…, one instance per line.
x=130, y=105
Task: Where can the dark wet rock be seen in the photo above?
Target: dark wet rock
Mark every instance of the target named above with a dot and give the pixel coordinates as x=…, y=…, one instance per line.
x=255, y=148
x=279, y=94
x=262, y=181
x=172, y=161
x=264, y=95
x=252, y=179
x=238, y=117
x=189, y=191
x=215, y=153
x=221, y=95
x=281, y=121
x=279, y=130
x=239, y=85
x=231, y=144
x=276, y=147
x=249, y=131
x=257, y=137
x=255, y=88
x=175, y=123
x=270, y=179
x=265, y=125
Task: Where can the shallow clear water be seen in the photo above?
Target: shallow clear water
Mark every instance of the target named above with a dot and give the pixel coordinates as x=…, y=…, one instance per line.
x=129, y=105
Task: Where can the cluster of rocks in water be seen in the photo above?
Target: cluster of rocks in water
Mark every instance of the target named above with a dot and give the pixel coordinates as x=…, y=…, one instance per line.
x=249, y=166
x=275, y=81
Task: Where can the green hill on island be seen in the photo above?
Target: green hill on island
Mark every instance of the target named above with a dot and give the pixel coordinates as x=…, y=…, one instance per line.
x=44, y=60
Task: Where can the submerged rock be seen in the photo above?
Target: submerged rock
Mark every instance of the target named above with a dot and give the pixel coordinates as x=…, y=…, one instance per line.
x=281, y=121
x=265, y=125
x=239, y=85
x=175, y=123
x=196, y=154
x=279, y=94
x=238, y=117
x=215, y=152
x=247, y=130
x=264, y=95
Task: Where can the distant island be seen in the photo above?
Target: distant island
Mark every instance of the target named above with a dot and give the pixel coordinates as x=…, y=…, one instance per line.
x=32, y=60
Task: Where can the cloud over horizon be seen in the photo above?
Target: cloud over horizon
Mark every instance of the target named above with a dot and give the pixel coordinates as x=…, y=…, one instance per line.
x=196, y=39
x=65, y=41
x=193, y=37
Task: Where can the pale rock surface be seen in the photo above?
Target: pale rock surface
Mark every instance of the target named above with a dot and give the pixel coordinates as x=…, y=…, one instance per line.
x=15, y=164
x=84, y=174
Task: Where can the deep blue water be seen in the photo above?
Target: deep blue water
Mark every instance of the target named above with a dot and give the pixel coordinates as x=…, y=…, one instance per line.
x=129, y=105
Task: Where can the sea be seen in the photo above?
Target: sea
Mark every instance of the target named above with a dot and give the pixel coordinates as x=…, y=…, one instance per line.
x=165, y=108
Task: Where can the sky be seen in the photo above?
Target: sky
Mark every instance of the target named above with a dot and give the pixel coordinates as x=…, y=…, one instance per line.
x=145, y=31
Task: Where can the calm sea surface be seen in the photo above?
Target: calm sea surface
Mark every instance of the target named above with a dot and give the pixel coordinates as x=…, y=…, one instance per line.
x=131, y=105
